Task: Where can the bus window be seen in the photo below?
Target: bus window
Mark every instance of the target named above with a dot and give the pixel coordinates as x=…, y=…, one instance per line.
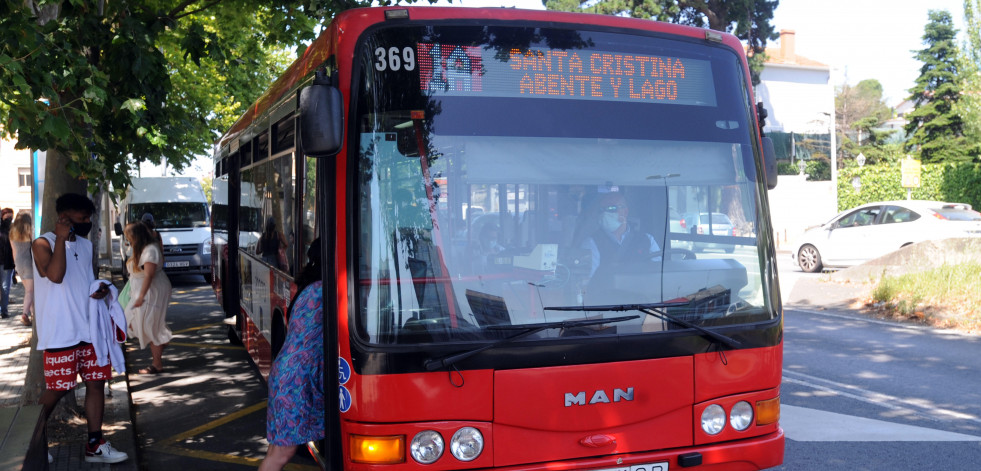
x=270, y=199
x=308, y=210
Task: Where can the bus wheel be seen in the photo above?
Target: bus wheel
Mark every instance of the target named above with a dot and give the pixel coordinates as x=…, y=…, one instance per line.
x=809, y=259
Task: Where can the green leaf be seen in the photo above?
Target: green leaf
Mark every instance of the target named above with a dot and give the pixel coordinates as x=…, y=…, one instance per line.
x=134, y=105
x=94, y=93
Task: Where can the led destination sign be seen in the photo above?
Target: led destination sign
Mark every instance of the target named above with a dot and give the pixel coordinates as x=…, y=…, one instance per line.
x=452, y=70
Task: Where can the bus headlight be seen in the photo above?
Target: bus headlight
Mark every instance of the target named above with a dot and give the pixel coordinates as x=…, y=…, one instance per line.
x=466, y=444
x=741, y=416
x=426, y=447
x=713, y=419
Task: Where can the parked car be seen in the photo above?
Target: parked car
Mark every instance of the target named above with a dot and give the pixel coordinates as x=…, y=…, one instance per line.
x=678, y=225
x=875, y=229
x=709, y=224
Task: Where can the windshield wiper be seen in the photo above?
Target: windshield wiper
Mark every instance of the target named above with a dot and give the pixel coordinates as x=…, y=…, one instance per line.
x=656, y=310
x=526, y=330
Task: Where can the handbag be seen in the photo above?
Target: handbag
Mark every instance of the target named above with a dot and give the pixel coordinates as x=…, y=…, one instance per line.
x=124, y=295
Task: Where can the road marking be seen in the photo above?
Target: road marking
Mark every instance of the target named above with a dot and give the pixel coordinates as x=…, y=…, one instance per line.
x=200, y=327
x=169, y=445
x=233, y=459
x=918, y=406
x=206, y=345
x=810, y=425
x=887, y=323
x=214, y=423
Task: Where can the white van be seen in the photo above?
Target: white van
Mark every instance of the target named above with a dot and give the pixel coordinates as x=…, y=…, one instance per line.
x=180, y=213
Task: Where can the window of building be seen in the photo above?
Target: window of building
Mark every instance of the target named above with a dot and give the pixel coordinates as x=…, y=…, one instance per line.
x=24, y=177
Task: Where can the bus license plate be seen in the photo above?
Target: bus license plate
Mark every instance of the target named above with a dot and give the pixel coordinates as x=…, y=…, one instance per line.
x=176, y=264
x=662, y=466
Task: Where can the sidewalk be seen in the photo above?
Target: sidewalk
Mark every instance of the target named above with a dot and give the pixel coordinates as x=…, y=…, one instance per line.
x=15, y=354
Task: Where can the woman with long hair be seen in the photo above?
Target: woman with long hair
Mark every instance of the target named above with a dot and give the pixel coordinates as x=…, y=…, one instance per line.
x=21, y=235
x=295, y=415
x=149, y=290
x=272, y=245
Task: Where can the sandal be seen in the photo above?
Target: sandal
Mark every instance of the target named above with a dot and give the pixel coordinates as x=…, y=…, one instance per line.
x=25, y=320
x=150, y=370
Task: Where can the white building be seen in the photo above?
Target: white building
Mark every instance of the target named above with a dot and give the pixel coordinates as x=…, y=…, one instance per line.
x=800, y=100
x=16, y=179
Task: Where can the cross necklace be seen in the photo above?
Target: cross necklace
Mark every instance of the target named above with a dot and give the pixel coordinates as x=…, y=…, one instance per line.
x=72, y=249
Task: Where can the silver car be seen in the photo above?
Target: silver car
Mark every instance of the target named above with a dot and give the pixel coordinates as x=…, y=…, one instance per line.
x=709, y=224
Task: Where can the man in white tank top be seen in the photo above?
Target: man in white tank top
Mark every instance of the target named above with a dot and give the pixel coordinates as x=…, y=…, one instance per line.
x=63, y=264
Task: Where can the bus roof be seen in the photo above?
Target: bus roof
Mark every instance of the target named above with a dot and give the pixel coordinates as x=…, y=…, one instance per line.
x=356, y=20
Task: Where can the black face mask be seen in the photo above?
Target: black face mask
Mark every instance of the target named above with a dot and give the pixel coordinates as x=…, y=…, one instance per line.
x=82, y=229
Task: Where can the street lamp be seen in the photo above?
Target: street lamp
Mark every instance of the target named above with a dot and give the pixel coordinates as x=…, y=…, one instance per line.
x=860, y=159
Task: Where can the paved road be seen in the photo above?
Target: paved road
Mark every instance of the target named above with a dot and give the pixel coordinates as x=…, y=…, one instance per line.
x=861, y=394
x=207, y=409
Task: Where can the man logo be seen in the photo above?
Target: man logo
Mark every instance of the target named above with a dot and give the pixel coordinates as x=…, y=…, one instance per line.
x=599, y=397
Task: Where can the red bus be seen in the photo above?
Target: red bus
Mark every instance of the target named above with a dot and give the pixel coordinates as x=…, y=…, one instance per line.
x=546, y=235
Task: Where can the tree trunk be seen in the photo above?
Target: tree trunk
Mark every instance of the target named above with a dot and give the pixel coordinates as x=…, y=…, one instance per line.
x=56, y=183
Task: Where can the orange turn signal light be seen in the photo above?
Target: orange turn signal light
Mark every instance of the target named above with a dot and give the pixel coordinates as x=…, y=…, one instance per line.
x=378, y=450
x=768, y=411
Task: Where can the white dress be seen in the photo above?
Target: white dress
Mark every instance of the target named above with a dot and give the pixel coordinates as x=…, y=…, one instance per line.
x=149, y=321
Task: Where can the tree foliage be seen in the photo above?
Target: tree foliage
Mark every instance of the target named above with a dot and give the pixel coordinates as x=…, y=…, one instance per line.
x=859, y=111
x=111, y=84
x=969, y=106
x=935, y=129
x=749, y=20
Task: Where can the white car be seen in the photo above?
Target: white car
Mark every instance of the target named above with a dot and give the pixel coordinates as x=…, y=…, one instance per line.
x=875, y=229
x=710, y=224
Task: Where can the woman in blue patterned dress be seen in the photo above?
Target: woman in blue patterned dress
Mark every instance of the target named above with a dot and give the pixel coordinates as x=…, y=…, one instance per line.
x=295, y=414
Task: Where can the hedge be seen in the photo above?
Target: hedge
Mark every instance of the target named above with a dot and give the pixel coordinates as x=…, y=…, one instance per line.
x=953, y=182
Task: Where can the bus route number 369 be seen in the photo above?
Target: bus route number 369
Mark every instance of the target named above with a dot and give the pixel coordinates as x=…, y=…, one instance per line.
x=395, y=59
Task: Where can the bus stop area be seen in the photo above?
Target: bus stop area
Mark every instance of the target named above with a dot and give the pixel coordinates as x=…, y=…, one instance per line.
x=20, y=392
x=205, y=411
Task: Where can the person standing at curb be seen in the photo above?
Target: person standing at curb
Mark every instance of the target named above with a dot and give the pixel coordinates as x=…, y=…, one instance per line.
x=21, y=233
x=6, y=261
x=149, y=294
x=63, y=263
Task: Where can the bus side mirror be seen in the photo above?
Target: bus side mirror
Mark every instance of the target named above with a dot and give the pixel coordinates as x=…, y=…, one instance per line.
x=769, y=163
x=321, y=119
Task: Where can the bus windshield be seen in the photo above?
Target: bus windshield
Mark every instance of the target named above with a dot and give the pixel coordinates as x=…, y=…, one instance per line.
x=171, y=215
x=504, y=171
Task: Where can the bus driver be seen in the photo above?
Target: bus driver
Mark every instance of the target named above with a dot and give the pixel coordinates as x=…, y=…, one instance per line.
x=614, y=244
